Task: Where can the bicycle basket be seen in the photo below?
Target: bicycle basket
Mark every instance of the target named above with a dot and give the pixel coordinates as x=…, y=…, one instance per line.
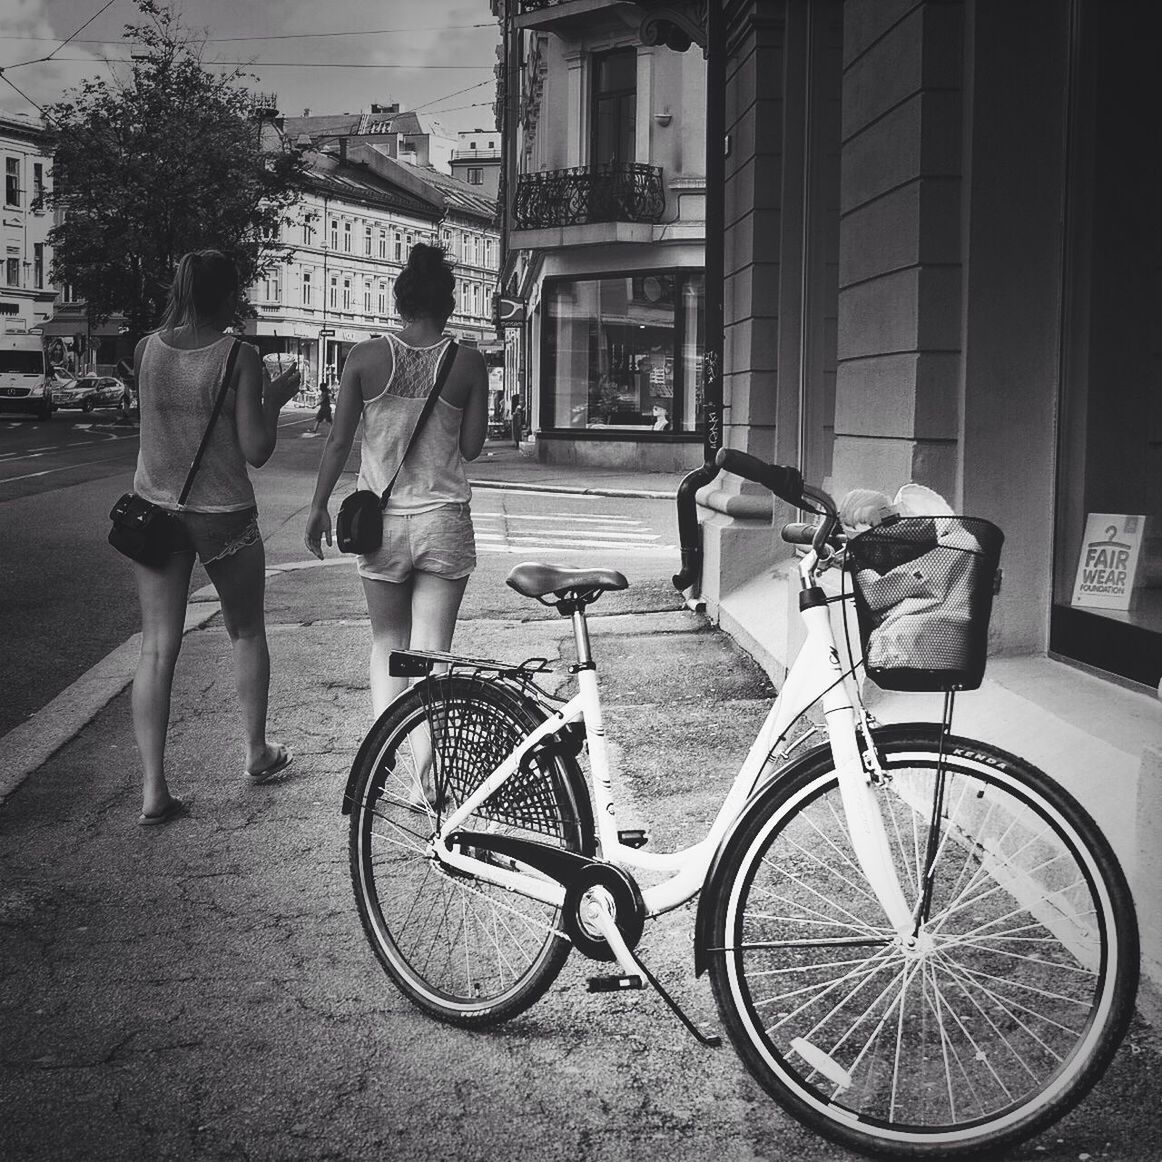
x=923, y=590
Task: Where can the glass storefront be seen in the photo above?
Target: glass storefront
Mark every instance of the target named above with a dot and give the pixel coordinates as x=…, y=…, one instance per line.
x=624, y=352
x=1107, y=600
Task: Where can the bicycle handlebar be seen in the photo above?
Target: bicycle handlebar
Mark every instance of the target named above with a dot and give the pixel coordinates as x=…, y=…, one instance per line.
x=786, y=483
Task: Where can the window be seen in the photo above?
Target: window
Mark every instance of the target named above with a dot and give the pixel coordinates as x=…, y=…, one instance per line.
x=37, y=179
x=38, y=265
x=308, y=233
x=488, y=253
x=333, y=292
x=614, y=107
x=306, y=287
x=367, y=298
x=382, y=299
x=334, y=234
x=347, y=294
x=346, y=237
x=383, y=244
x=12, y=183
x=624, y=351
x=367, y=241
x=476, y=298
x=272, y=286
x=12, y=271
x=398, y=247
x=475, y=175
x=410, y=243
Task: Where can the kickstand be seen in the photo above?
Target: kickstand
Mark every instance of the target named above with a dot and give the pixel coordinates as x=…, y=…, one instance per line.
x=712, y=1040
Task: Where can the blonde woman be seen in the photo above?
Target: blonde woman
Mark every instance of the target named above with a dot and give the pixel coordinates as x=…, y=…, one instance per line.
x=178, y=370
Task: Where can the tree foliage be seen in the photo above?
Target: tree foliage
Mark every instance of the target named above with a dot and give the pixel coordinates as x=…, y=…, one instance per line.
x=173, y=158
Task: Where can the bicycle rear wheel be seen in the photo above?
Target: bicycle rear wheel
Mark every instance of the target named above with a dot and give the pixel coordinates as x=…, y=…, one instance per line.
x=460, y=948
x=1001, y=1014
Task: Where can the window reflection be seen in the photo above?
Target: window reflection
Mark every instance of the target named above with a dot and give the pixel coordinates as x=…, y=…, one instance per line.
x=624, y=352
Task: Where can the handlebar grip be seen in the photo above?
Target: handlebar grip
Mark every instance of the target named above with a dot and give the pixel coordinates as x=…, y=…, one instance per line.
x=799, y=533
x=786, y=483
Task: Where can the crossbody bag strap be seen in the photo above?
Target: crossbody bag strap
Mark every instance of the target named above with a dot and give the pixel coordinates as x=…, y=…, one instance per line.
x=231, y=359
x=441, y=377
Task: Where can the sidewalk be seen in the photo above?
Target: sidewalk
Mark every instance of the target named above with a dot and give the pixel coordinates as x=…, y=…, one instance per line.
x=501, y=465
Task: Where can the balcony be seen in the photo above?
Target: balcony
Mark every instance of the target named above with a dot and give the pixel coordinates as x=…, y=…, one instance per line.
x=615, y=192
x=572, y=17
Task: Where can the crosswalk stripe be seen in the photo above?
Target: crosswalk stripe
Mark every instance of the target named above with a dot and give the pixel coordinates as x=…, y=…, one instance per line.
x=580, y=547
x=568, y=517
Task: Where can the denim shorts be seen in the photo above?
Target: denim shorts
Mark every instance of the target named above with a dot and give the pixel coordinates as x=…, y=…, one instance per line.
x=214, y=535
x=439, y=541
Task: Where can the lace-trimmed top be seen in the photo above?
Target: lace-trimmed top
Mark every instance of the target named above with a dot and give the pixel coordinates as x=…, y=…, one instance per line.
x=433, y=474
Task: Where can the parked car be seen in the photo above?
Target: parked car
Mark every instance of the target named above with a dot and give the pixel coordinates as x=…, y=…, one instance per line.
x=107, y=390
x=73, y=393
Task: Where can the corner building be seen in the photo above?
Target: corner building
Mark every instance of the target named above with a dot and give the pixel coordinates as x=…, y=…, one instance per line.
x=942, y=255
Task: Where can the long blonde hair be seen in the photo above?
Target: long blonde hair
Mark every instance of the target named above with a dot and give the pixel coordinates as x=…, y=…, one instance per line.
x=203, y=282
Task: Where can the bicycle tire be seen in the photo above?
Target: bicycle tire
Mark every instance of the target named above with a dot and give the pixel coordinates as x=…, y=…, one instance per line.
x=461, y=949
x=1024, y=982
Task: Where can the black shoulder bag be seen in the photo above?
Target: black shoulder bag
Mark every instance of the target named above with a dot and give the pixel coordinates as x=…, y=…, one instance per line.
x=142, y=530
x=359, y=524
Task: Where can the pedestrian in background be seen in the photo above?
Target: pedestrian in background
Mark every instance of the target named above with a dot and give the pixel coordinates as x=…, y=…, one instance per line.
x=414, y=583
x=323, y=414
x=178, y=370
x=518, y=419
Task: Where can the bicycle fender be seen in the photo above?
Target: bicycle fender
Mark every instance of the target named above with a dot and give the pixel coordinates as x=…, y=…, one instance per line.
x=761, y=802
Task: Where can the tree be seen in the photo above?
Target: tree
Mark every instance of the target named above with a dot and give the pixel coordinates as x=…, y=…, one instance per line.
x=175, y=158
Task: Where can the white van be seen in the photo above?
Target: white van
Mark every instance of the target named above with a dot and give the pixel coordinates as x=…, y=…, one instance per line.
x=24, y=383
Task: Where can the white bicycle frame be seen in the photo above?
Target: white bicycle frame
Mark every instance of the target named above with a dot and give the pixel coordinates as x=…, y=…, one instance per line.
x=816, y=675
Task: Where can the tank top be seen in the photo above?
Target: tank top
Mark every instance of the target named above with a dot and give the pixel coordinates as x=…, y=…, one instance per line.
x=176, y=396
x=433, y=474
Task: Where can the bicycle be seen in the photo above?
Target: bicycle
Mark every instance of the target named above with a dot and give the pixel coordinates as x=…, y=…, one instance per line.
x=918, y=943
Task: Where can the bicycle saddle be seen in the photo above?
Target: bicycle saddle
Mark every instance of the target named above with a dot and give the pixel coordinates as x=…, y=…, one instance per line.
x=533, y=580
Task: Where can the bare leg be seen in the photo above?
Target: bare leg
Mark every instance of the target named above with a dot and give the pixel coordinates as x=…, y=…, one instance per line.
x=240, y=580
x=390, y=605
x=163, y=610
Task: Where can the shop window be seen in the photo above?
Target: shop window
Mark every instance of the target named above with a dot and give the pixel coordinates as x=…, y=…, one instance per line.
x=624, y=352
x=1107, y=592
x=614, y=107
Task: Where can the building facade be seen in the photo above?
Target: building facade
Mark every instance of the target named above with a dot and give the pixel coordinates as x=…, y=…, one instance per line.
x=476, y=160
x=604, y=210
x=348, y=239
x=26, y=295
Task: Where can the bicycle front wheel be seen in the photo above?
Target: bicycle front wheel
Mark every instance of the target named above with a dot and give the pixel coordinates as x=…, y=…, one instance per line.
x=460, y=948
x=1001, y=1012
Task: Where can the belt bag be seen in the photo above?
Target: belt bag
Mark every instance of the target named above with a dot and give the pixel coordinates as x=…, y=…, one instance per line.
x=146, y=532
x=359, y=524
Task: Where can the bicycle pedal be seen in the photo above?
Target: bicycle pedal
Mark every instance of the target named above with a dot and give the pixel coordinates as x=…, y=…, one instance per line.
x=635, y=837
x=614, y=984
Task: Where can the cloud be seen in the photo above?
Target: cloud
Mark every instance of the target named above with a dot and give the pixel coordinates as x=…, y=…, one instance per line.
x=27, y=32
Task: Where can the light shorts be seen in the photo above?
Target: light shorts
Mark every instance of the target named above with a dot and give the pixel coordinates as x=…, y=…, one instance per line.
x=439, y=541
x=214, y=535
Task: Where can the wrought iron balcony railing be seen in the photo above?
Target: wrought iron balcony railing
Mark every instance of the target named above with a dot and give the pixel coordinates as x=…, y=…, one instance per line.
x=614, y=192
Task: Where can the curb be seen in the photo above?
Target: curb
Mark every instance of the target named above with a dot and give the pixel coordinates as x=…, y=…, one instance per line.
x=30, y=745
x=576, y=490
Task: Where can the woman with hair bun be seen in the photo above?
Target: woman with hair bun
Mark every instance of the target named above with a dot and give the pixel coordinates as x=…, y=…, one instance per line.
x=414, y=583
x=178, y=370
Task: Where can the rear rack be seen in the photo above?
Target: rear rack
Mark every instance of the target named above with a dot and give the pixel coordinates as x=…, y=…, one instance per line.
x=420, y=663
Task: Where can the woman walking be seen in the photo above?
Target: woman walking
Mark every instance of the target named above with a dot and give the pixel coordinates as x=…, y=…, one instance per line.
x=179, y=369
x=415, y=581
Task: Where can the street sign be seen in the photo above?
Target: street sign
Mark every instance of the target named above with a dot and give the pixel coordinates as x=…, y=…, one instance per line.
x=324, y=331
x=509, y=312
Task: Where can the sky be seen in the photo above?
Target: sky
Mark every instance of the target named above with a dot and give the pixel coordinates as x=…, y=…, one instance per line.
x=425, y=54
